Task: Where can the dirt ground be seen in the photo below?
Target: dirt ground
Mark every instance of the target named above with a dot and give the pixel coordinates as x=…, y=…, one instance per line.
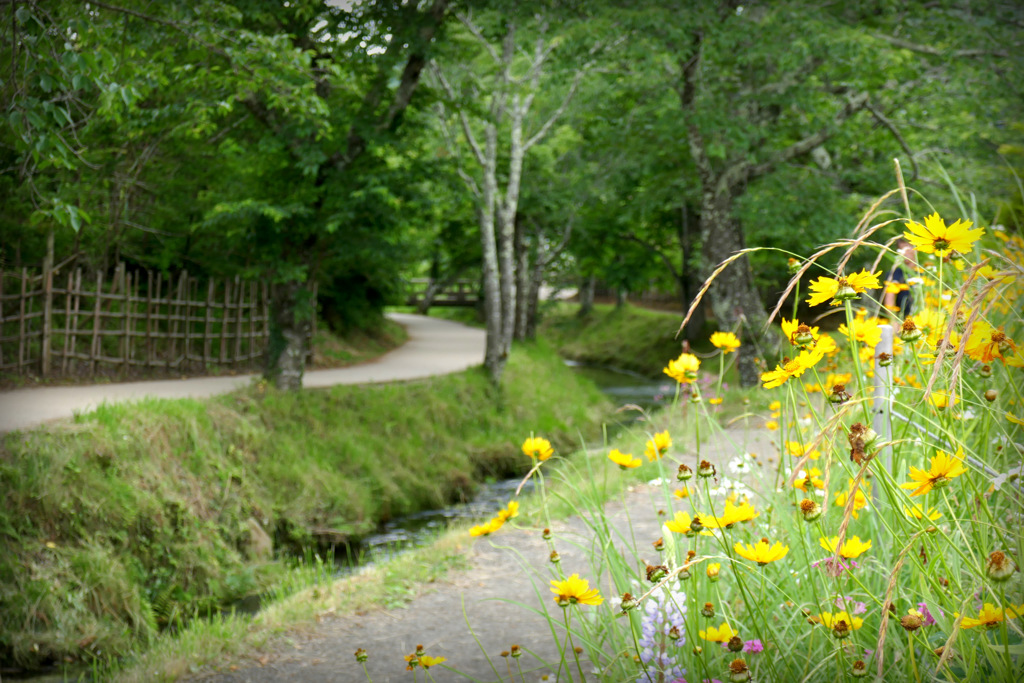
x=475, y=614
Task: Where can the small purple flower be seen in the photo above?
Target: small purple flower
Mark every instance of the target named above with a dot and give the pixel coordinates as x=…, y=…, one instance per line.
x=928, y=618
x=750, y=646
x=850, y=605
x=834, y=568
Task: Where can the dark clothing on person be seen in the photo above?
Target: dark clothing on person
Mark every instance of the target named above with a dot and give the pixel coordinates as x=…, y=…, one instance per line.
x=904, y=298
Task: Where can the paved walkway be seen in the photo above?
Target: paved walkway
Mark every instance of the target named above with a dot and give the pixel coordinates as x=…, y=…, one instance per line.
x=435, y=347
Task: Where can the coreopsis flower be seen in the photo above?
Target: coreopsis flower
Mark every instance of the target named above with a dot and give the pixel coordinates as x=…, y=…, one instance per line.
x=624, y=460
x=361, y=655
x=487, y=528
x=917, y=511
x=991, y=616
x=713, y=570
x=798, y=333
x=791, y=368
x=727, y=341
x=842, y=288
x=798, y=449
x=841, y=623
x=811, y=478
x=509, y=512
x=932, y=324
x=851, y=547
x=810, y=509
x=682, y=493
x=860, y=500
x=943, y=467
x=658, y=446
x=935, y=237
x=575, y=591
x=680, y=524
x=538, y=448
x=761, y=552
x=987, y=343
x=732, y=515
x=426, y=661
x=722, y=634
x=865, y=331
x=683, y=369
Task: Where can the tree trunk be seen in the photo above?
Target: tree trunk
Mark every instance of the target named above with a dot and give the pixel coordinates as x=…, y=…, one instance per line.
x=291, y=316
x=494, y=358
x=587, y=287
x=735, y=300
x=522, y=281
x=533, y=298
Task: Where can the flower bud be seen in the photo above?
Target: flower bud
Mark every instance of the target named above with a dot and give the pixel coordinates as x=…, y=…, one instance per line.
x=810, y=509
x=841, y=629
x=683, y=574
x=713, y=570
x=985, y=371
x=361, y=655
x=517, y=651
x=884, y=360
x=735, y=644
x=793, y=265
x=706, y=469
x=738, y=671
x=546, y=534
x=859, y=669
x=803, y=336
x=684, y=473
x=839, y=394
x=674, y=634
x=708, y=610
x=910, y=332
x=696, y=526
x=991, y=395
x=628, y=602
x=698, y=650
x=420, y=651
x=555, y=557
x=656, y=572
x=999, y=567
x=911, y=622
x=845, y=292
x=659, y=545
x=695, y=398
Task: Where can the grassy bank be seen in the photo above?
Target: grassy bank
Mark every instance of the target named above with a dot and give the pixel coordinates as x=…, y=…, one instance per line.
x=629, y=338
x=138, y=517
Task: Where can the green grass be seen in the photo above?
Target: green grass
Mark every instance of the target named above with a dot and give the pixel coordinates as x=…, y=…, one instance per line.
x=629, y=338
x=134, y=517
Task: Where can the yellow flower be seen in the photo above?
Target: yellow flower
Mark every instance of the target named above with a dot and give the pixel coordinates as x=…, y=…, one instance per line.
x=991, y=616
x=851, y=548
x=743, y=512
x=797, y=449
x=426, y=661
x=722, y=634
x=791, y=368
x=987, y=343
x=771, y=425
x=487, y=528
x=775, y=405
x=624, y=460
x=727, y=341
x=830, y=620
x=866, y=332
x=680, y=524
x=812, y=477
x=575, y=590
x=935, y=237
x=943, y=468
x=658, y=446
x=716, y=401
x=681, y=493
x=941, y=400
x=683, y=369
x=761, y=552
x=918, y=512
x=713, y=569
x=842, y=288
x=1014, y=419
x=511, y=511
x=860, y=501
x=537, y=448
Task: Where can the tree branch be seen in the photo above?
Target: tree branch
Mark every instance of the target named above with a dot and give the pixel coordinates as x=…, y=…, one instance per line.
x=936, y=52
x=478, y=153
x=882, y=119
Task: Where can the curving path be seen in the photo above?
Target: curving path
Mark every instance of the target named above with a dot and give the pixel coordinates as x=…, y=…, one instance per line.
x=435, y=347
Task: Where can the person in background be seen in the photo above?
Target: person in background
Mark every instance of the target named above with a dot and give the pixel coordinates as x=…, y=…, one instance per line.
x=898, y=297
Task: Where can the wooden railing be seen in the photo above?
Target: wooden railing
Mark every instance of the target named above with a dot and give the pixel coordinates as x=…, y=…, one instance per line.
x=61, y=323
x=461, y=292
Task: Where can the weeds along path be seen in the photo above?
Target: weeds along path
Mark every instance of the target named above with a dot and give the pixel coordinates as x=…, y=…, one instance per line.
x=435, y=347
x=498, y=597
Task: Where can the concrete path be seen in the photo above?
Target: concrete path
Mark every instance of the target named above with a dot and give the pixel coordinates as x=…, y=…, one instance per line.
x=435, y=347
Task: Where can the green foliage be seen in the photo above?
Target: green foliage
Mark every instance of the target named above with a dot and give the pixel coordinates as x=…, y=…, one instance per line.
x=135, y=517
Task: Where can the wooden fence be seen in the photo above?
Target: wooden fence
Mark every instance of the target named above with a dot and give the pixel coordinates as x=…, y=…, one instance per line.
x=61, y=324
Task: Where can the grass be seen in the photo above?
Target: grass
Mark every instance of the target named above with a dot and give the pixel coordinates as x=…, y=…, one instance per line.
x=135, y=517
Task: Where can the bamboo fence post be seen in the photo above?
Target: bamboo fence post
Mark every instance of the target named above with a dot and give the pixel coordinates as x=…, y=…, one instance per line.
x=67, y=323
x=158, y=302
x=238, y=320
x=208, y=328
x=149, y=319
x=21, y=319
x=126, y=340
x=252, y=322
x=47, y=282
x=73, y=334
x=225, y=321
x=94, y=349
x=188, y=325
x=2, y=319
x=266, y=316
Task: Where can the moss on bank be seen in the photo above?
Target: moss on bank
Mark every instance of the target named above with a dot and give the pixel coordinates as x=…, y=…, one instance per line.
x=139, y=516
